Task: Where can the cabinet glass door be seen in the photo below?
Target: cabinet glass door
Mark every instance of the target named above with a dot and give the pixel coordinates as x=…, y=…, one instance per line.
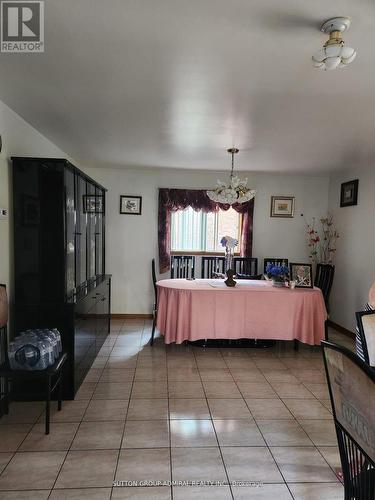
x=99, y=233
x=91, y=227
x=70, y=221
x=81, y=232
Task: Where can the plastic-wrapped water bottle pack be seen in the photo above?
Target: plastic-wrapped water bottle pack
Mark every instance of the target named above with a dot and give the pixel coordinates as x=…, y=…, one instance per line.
x=35, y=349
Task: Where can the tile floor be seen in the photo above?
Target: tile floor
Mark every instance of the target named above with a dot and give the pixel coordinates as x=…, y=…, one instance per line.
x=181, y=414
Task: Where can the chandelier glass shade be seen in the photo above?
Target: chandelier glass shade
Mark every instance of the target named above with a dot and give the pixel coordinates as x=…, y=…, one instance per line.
x=235, y=191
x=334, y=54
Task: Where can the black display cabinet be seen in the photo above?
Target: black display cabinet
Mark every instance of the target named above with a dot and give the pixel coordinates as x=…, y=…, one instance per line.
x=59, y=259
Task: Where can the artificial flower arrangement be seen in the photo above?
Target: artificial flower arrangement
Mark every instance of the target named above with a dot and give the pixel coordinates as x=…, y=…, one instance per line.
x=228, y=242
x=278, y=274
x=322, y=241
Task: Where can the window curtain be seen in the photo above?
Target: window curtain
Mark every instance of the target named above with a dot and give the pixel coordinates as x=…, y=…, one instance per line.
x=171, y=200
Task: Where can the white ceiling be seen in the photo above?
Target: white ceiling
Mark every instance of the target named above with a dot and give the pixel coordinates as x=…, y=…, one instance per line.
x=173, y=83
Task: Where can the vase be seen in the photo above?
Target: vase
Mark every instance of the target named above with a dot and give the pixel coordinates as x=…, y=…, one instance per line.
x=278, y=284
x=228, y=259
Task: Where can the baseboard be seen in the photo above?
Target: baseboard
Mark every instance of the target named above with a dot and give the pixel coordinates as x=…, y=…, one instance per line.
x=341, y=329
x=131, y=316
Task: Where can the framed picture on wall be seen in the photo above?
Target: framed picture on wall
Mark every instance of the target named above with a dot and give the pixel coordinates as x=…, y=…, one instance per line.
x=301, y=274
x=131, y=205
x=282, y=206
x=349, y=193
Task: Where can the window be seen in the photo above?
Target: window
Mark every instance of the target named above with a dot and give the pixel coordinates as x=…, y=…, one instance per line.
x=201, y=232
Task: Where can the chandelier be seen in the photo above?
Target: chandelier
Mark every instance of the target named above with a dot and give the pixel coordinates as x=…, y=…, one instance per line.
x=235, y=191
x=334, y=53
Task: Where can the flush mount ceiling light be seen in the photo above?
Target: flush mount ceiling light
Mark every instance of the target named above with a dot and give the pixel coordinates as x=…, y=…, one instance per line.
x=236, y=191
x=334, y=53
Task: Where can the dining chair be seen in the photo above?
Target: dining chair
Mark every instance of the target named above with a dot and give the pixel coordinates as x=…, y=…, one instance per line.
x=351, y=384
x=365, y=341
x=246, y=265
x=155, y=306
x=183, y=266
x=211, y=266
x=324, y=279
x=277, y=261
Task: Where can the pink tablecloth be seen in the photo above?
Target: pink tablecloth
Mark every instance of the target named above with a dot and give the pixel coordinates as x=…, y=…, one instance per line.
x=207, y=309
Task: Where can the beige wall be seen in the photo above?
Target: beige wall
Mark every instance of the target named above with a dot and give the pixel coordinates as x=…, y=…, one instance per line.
x=132, y=240
x=355, y=259
x=19, y=139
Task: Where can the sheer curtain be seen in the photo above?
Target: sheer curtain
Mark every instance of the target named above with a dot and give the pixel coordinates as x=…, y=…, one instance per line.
x=171, y=200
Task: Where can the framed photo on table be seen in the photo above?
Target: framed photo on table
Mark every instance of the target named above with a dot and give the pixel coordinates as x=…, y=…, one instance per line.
x=282, y=206
x=349, y=193
x=301, y=274
x=131, y=205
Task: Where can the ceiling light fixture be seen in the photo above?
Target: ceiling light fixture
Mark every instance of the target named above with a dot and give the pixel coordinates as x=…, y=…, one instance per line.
x=236, y=191
x=334, y=53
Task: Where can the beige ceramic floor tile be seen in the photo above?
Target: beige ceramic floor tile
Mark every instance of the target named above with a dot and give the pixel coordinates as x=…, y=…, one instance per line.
x=112, y=390
x=59, y=439
x=197, y=464
x=332, y=456
x=201, y=493
x=221, y=390
x=229, y=408
x=257, y=390
x=251, y=464
x=4, y=460
x=148, y=409
x=72, y=411
x=262, y=492
x=185, y=390
x=25, y=495
x=117, y=375
x=11, y=436
x=216, y=375
x=146, y=390
x=321, y=432
x=88, y=469
x=301, y=464
x=81, y=494
x=34, y=470
x=85, y=391
x=142, y=493
x=285, y=390
x=23, y=413
x=307, y=409
x=98, y=436
x=144, y=465
x=146, y=434
x=283, y=433
x=106, y=410
x=269, y=409
x=238, y=433
x=188, y=409
x=192, y=433
x=317, y=491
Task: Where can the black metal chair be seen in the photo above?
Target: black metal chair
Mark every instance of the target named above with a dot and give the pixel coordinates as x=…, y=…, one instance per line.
x=277, y=261
x=351, y=386
x=183, y=266
x=246, y=265
x=155, y=306
x=211, y=266
x=366, y=336
x=324, y=279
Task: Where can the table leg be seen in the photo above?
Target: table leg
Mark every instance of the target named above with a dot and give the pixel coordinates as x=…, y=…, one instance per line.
x=48, y=402
x=60, y=392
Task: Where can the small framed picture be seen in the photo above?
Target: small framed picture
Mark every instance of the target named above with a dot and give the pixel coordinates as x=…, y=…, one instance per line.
x=282, y=206
x=301, y=274
x=92, y=204
x=131, y=205
x=349, y=193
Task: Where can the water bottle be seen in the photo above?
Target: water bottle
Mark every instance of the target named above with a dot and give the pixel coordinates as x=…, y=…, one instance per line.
x=47, y=346
x=50, y=337
x=58, y=338
x=11, y=352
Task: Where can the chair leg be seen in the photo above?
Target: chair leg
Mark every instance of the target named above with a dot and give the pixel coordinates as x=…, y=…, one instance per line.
x=326, y=331
x=48, y=403
x=59, y=403
x=296, y=345
x=153, y=330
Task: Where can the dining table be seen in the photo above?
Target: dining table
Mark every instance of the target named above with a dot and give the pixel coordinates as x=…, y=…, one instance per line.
x=199, y=309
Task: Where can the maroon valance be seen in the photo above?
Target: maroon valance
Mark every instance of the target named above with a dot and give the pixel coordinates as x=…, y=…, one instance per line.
x=171, y=200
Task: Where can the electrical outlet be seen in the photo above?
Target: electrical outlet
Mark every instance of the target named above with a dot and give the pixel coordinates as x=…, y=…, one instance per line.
x=3, y=213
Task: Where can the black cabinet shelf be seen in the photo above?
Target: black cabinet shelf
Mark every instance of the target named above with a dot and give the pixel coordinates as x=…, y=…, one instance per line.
x=59, y=259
